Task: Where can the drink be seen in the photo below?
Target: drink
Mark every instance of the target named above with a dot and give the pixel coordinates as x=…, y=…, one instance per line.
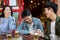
x=36, y=37
x=9, y=36
x=17, y=34
x=0, y=37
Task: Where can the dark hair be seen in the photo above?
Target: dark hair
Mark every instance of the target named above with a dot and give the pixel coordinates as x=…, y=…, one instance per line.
x=25, y=13
x=4, y=9
x=51, y=5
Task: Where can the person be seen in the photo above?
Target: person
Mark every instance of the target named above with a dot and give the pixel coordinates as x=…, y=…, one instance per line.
x=29, y=24
x=53, y=22
x=1, y=21
x=8, y=21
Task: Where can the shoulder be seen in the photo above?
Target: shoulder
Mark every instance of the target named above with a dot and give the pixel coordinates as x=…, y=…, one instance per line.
x=36, y=19
x=58, y=19
x=1, y=18
x=11, y=17
x=22, y=22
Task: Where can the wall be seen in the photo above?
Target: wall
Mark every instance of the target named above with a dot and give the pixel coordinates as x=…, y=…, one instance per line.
x=58, y=13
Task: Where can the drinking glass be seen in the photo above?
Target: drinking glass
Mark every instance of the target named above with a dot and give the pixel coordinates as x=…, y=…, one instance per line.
x=35, y=36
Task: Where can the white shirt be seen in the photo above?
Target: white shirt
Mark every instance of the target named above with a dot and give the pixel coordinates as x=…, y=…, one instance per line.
x=53, y=29
x=30, y=26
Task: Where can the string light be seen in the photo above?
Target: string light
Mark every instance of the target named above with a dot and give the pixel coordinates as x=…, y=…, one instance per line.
x=31, y=1
x=33, y=7
x=43, y=1
x=38, y=3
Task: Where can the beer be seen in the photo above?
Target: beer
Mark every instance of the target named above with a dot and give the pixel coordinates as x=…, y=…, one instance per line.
x=17, y=34
x=9, y=36
x=36, y=37
x=0, y=37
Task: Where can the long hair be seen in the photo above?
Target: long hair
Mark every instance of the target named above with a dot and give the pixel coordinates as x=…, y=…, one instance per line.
x=4, y=9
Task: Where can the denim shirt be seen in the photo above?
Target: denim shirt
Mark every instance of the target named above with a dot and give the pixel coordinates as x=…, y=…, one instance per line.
x=12, y=23
x=8, y=24
x=1, y=24
x=24, y=29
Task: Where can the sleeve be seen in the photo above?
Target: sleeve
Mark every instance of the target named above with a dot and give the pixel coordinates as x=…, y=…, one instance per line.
x=39, y=24
x=3, y=26
x=12, y=24
x=20, y=29
x=0, y=28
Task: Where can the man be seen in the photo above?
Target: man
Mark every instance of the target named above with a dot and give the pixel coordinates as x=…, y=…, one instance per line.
x=53, y=22
x=29, y=24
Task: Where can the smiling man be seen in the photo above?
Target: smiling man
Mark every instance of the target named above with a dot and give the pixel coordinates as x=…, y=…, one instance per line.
x=53, y=22
x=30, y=23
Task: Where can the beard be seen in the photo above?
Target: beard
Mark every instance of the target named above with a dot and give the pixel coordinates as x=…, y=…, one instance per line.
x=29, y=22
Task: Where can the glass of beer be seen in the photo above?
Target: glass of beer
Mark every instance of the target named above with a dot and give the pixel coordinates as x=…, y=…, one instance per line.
x=9, y=36
x=0, y=37
x=17, y=34
x=35, y=36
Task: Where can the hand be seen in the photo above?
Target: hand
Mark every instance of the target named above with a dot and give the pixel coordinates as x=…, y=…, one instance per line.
x=31, y=33
x=40, y=33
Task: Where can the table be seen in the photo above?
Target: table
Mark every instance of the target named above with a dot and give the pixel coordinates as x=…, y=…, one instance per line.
x=30, y=37
x=23, y=37
x=4, y=37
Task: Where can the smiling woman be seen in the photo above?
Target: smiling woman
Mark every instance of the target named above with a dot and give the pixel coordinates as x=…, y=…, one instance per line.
x=7, y=11
x=8, y=22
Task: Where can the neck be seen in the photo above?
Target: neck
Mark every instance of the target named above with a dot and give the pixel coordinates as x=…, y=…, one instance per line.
x=53, y=17
x=5, y=17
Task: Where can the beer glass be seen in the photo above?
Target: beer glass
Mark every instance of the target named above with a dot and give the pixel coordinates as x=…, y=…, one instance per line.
x=0, y=37
x=35, y=36
x=9, y=36
x=17, y=34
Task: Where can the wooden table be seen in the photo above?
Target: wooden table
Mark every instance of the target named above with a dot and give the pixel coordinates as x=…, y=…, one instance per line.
x=30, y=37
x=27, y=37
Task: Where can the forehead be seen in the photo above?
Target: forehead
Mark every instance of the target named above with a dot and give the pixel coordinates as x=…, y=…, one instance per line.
x=27, y=17
x=45, y=8
x=7, y=7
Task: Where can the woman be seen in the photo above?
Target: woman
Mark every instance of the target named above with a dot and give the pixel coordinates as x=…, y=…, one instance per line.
x=1, y=22
x=8, y=21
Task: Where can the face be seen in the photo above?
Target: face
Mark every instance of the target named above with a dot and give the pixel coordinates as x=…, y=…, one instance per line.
x=7, y=12
x=47, y=12
x=28, y=19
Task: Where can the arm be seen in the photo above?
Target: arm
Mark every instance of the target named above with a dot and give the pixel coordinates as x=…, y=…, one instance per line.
x=3, y=26
x=40, y=29
x=21, y=30
x=39, y=24
x=12, y=24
